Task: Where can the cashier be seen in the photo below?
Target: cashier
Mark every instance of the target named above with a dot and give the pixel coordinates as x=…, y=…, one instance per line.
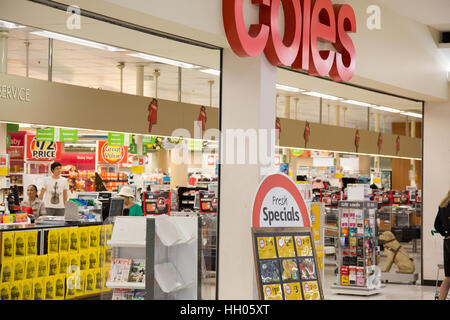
x=131, y=208
x=32, y=201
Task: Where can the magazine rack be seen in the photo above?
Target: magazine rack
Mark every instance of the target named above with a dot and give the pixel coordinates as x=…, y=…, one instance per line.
x=170, y=247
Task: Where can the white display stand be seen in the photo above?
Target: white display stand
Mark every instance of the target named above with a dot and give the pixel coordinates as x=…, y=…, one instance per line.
x=170, y=247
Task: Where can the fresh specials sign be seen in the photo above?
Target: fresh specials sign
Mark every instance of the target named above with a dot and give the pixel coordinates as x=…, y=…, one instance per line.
x=279, y=203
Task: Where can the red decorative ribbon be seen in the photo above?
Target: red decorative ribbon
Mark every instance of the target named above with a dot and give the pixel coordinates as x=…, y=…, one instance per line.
x=398, y=144
x=202, y=118
x=307, y=133
x=153, y=114
x=380, y=142
x=357, y=140
x=278, y=128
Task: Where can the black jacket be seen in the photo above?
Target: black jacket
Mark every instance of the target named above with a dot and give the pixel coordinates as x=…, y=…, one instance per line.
x=442, y=221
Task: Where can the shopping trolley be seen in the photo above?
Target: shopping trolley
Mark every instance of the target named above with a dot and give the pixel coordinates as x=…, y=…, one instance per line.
x=439, y=268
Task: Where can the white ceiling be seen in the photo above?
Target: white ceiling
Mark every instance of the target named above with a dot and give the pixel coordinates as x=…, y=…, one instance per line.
x=84, y=66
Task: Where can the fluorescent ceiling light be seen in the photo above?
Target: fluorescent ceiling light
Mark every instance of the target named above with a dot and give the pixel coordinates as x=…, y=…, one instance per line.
x=87, y=43
x=387, y=109
x=287, y=88
x=362, y=104
x=211, y=71
x=10, y=25
x=412, y=114
x=163, y=60
x=321, y=95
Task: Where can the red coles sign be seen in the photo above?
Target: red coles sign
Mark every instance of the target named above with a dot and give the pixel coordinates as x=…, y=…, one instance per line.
x=307, y=22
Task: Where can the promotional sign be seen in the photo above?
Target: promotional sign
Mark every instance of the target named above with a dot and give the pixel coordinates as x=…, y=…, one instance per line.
x=16, y=150
x=111, y=154
x=119, y=139
x=83, y=161
x=307, y=23
x=4, y=164
x=138, y=165
x=279, y=203
x=46, y=134
x=8, y=140
x=157, y=202
x=68, y=135
x=286, y=264
x=42, y=150
x=208, y=201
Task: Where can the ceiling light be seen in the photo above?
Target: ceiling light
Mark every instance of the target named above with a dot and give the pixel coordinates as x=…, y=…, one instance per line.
x=211, y=71
x=387, y=109
x=362, y=104
x=87, y=43
x=287, y=88
x=163, y=60
x=412, y=114
x=10, y=25
x=321, y=95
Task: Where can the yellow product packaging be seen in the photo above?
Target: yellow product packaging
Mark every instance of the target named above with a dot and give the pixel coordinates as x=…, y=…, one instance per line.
x=31, y=267
x=5, y=293
x=81, y=286
x=90, y=281
x=27, y=289
x=84, y=259
x=64, y=240
x=93, y=259
x=63, y=262
x=49, y=287
x=42, y=266
x=60, y=280
x=292, y=291
x=311, y=290
x=98, y=277
x=74, y=244
x=101, y=257
x=83, y=236
x=102, y=239
x=31, y=242
x=53, y=264
x=266, y=248
x=108, y=255
x=19, y=269
x=105, y=275
x=74, y=262
x=7, y=246
x=108, y=233
x=272, y=292
x=7, y=271
x=16, y=290
x=94, y=237
x=71, y=283
x=38, y=288
x=53, y=241
x=19, y=244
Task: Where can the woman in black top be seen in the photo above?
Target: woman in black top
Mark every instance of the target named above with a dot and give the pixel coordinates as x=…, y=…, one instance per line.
x=442, y=225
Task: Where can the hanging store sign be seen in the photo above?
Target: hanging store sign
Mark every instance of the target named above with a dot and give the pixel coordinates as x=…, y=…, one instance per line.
x=68, y=135
x=279, y=203
x=306, y=24
x=42, y=150
x=46, y=134
x=112, y=154
x=4, y=164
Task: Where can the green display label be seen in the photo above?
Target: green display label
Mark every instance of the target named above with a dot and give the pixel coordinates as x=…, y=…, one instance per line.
x=47, y=134
x=144, y=149
x=195, y=145
x=68, y=135
x=133, y=148
x=12, y=127
x=149, y=140
x=8, y=140
x=116, y=139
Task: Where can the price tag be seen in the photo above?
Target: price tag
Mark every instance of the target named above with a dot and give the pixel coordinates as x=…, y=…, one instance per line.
x=311, y=290
x=266, y=248
x=292, y=291
x=285, y=247
x=272, y=292
x=303, y=245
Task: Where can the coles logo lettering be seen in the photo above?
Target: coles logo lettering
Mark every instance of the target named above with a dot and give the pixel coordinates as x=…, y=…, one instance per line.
x=307, y=22
x=279, y=203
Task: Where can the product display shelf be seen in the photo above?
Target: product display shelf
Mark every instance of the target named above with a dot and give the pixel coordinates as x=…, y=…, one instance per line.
x=358, y=273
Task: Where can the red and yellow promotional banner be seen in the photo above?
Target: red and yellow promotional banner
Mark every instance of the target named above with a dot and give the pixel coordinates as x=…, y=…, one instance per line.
x=113, y=155
x=42, y=150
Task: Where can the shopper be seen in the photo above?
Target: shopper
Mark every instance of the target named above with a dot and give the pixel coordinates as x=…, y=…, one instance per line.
x=131, y=208
x=33, y=202
x=55, y=191
x=442, y=225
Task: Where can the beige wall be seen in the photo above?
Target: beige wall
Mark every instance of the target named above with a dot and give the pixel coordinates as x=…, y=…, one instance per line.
x=436, y=180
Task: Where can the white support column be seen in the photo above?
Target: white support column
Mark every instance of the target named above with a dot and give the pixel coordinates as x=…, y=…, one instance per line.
x=328, y=114
x=297, y=109
x=121, y=66
x=344, y=112
x=140, y=80
x=248, y=103
x=156, y=75
x=377, y=129
x=413, y=162
x=287, y=107
x=27, y=58
x=211, y=83
x=337, y=122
